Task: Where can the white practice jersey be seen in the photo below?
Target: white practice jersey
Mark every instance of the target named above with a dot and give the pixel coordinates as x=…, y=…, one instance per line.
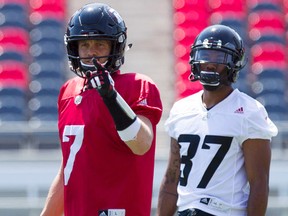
x=212, y=176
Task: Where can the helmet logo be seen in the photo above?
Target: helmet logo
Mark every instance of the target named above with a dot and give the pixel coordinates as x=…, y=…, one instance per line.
x=208, y=44
x=219, y=44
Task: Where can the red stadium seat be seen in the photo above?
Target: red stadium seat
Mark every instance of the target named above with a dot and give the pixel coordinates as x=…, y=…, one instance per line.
x=267, y=21
x=218, y=17
x=13, y=38
x=257, y=67
x=285, y=8
x=47, y=9
x=235, y=6
x=13, y=73
x=285, y=5
x=191, y=19
x=267, y=18
x=4, y=2
x=258, y=36
x=181, y=52
x=185, y=36
x=268, y=52
x=187, y=5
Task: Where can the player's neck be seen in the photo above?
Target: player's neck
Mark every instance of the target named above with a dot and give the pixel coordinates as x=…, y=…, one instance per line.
x=212, y=98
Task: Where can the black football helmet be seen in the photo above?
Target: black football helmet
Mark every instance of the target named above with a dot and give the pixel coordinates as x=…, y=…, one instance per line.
x=228, y=46
x=96, y=21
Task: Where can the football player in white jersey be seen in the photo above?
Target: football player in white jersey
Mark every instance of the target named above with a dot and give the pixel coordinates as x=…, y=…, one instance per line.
x=220, y=137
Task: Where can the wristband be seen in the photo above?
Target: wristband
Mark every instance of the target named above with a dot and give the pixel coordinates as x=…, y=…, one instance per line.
x=130, y=133
x=126, y=121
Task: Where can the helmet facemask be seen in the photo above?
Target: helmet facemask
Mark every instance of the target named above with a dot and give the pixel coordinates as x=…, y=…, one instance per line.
x=208, y=63
x=114, y=59
x=221, y=47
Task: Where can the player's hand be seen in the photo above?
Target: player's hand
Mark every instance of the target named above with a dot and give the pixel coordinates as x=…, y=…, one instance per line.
x=101, y=80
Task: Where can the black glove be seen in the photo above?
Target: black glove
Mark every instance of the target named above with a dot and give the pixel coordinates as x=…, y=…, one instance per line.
x=101, y=80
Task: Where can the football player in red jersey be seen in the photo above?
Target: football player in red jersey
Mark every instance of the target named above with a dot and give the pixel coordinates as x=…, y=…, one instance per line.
x=107, y=124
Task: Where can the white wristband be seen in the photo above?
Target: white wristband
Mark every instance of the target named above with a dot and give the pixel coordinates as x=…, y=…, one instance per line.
x=130, y=132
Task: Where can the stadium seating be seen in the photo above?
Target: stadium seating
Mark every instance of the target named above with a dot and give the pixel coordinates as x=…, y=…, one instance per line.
x=13, y=73
x=263, y=27
x=14, y=38
x=267, y=21
x=11, y=55
x=48, y=56
x=14, y=15
x=32, y=57
x=257, y=37
x=14, y=46
x=47, y=29
x=268, y=51
x=44, y=9
x=12, y=104
x=38, y=27
x=226, y=9
x=266, y=4
x=187, y=26
x=236, y=23
x=44, y=107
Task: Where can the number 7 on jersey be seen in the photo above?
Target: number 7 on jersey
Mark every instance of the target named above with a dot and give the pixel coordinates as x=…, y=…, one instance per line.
x=78, y=132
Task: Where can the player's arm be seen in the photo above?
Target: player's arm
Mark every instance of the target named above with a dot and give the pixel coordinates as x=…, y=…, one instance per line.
x=54, y=205
x=257, y=154
x=135, y=131
x=143, y=140
x=168, y=190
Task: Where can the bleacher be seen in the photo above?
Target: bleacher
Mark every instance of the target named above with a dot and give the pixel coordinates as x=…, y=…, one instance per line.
x=32, y=58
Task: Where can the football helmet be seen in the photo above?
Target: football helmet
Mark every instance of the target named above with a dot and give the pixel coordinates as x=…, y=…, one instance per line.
x=218, y=45
x=96, y=21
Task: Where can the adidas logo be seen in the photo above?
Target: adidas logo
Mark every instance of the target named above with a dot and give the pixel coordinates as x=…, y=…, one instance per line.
x=103, y=214
x=143, y=102
x=239, y=110
x=205, y=201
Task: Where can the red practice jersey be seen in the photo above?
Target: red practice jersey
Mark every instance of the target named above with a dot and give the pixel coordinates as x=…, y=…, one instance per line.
x=100, y=171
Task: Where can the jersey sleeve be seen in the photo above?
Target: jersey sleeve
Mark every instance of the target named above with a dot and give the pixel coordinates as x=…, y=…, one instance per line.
x=258, y=125
x=143, y=96
x=150, y=104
